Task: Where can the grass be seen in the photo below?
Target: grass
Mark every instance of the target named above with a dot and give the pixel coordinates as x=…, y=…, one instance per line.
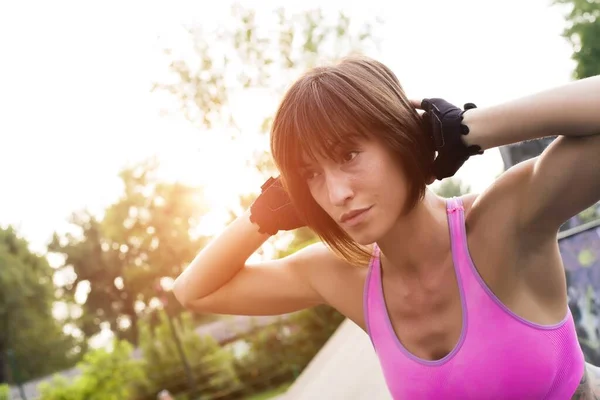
x=270, y=393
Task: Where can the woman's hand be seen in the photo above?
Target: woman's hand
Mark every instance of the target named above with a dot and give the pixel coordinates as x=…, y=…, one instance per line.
x=273, y=211
x=444, y=123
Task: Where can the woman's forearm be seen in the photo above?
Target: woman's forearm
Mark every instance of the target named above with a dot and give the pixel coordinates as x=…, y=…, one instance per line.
x=220, y=260
x=570, y=110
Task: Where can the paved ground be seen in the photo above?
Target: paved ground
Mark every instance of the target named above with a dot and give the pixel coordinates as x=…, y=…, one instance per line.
x=345, y=369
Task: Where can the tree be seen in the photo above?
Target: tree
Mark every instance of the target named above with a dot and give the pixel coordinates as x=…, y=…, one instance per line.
x=452, y=187
x=211, y=366
x=144, y=236
x=29, y=331
x=589, y=214
x=257, y=59
x=582, y=32
x=250, y=57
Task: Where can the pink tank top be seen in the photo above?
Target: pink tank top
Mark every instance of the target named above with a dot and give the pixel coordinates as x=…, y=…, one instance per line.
x=499, y=355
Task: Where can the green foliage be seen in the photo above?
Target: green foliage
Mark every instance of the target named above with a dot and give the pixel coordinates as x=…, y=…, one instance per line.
x=211, y=365
x=144, y=236
x=29, y=330
x=311, y=329
x=4, y=392
x=452, y=187
x=266, y=359
x=271, y=393
x=281, y=351
x=589, y=214
x=98, y=264
x=252, y=58
x=106, y=375
x=276, y=355
x=61, y=389
x=301, y=238
x=583, y=31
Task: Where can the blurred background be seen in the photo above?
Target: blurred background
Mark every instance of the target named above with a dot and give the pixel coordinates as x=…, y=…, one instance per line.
x=132, y=132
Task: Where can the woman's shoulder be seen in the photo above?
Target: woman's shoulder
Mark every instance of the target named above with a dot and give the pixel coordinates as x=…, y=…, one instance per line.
x=488, y=210
x=340, y=283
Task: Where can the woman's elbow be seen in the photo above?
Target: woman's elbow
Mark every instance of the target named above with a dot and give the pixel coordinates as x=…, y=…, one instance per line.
x=181, y=292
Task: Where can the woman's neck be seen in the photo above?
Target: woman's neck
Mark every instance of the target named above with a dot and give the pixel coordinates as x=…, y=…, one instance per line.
x=419, y=240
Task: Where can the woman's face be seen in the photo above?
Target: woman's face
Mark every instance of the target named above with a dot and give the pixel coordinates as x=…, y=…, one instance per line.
x=361, y=186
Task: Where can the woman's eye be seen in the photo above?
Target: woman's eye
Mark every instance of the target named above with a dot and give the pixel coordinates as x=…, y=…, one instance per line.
x=349, y=156
x=307, y=175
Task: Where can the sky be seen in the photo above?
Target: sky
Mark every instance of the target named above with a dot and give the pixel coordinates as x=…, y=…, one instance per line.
x=76, y=104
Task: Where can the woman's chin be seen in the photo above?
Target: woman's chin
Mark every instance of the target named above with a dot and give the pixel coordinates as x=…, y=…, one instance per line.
x=363, y=237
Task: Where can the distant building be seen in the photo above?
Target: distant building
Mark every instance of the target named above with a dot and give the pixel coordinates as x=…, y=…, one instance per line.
x=515, y=153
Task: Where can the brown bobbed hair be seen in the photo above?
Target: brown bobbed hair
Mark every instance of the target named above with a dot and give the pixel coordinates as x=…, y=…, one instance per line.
x=333, y=106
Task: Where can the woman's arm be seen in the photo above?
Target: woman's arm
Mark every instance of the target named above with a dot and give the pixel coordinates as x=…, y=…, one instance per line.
x=569, y=110
x=219, y=261
x=219, y=280
x=565, y=179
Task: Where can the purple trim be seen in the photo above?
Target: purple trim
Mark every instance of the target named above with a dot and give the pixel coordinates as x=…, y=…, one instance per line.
x=366, y=289
x=450, y=207
x=491, y=294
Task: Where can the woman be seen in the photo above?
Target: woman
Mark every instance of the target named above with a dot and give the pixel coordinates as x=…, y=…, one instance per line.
x=462, y=298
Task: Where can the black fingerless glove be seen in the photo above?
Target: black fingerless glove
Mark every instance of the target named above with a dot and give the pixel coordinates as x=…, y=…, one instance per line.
x=444, y=123
x=273, y=210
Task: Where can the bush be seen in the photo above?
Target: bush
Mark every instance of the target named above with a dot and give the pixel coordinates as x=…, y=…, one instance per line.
x=4, y=392
x=61, y=389
x=266, y=363
x=279, y=353
x=212, y=366
x=310, y=330
x=105, y=375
